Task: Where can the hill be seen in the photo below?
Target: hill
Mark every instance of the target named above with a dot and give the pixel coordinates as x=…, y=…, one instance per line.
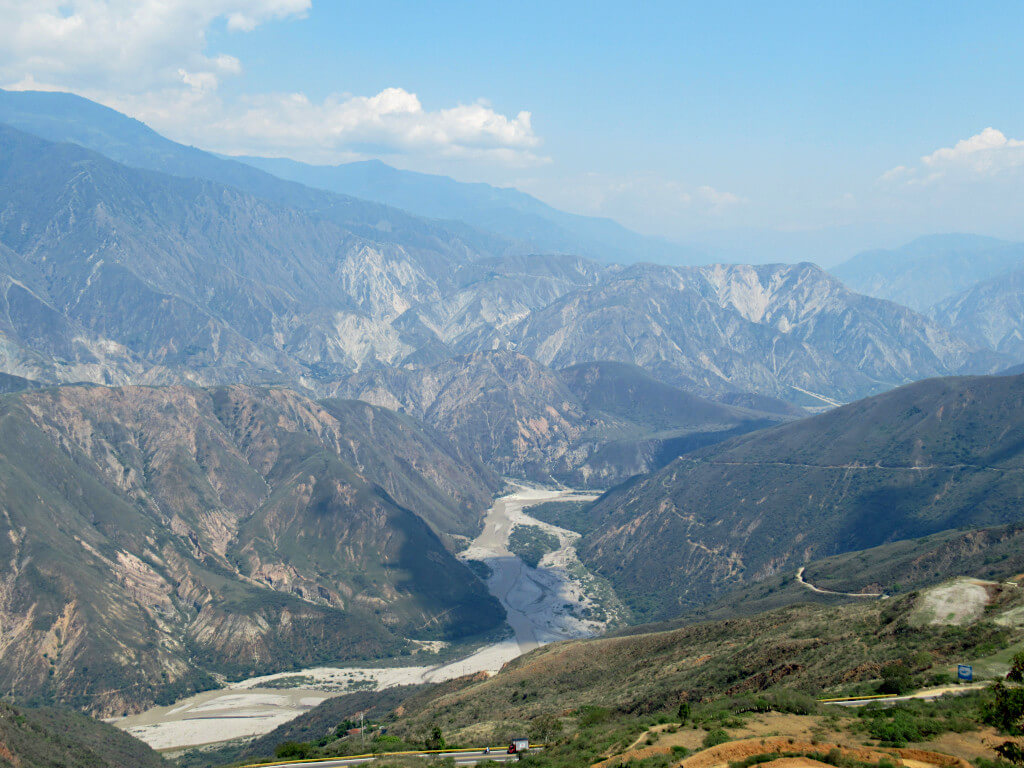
x=157, y=536
x=67, y=118
x=43, y=738
x=574, y=693
x=930, y=269
x=921, y=459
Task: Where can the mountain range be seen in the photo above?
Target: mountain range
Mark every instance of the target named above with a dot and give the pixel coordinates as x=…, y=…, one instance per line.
x=930, y=269
x=225, y=287
x=248, y=420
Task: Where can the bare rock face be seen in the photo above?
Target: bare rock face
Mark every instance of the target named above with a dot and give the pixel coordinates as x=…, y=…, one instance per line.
x=789, y=331
x=155, y=535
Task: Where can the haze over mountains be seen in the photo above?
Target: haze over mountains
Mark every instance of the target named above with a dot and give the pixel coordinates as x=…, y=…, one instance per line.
x=251, y=419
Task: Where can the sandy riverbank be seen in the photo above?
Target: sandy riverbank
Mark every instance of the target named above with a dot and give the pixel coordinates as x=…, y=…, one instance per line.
x=543, y=605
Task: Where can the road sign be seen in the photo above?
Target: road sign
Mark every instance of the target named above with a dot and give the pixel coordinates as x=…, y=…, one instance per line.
x=965, y=672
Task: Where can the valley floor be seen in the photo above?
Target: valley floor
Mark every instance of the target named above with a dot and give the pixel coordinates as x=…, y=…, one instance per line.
x=545, y=604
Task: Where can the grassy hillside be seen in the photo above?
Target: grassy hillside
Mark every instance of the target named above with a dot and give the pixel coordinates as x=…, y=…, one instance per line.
x=592, y=695
x=47, y=738
x=928, y=457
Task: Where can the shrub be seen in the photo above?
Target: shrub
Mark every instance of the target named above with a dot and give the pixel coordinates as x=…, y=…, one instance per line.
x=293, y=749
x=896, y=679
x=1016, y=673
x=715, y=737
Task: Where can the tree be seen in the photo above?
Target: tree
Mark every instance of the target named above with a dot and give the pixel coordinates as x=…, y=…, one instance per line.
x=684, y=712
x=436, y=738
x=1005, y=709
x=1016, y=673
x=896, y=679
x=1011, y=751
x=545, y=728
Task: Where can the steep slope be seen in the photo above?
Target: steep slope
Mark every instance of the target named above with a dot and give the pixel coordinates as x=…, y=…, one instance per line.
x=929, y=269
x=924, y=458
x=45, y=738
x=789, y=331
x=114, y=275
x=990, y=313
x=581, y=426
x=156, y=535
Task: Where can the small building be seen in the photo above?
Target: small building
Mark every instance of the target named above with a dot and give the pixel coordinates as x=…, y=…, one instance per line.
x=518, y=745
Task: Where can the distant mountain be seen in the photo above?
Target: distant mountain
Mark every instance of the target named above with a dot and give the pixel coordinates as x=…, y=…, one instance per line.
x=156, y=536
x=64, y=117
x=787, y=331
x=515, y=215
x=583, y=426
x=990, y=314
x=365, y=195
x=115, y=275
x=929, y=269
x=924, y=458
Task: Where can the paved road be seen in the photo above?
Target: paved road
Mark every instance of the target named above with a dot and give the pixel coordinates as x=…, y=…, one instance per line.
x=929, y=694
x=461, y=757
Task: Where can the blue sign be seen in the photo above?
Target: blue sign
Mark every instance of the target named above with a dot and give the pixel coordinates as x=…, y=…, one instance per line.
x=965, y=672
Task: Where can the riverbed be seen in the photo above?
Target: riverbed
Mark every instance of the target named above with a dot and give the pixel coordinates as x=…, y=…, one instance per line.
x=555, y=601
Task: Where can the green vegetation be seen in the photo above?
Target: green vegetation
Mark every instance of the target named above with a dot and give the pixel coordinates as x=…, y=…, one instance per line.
x=571, y=515
x=531, y=542
x=911, y=721
x=48, y=737
x=1016, y=673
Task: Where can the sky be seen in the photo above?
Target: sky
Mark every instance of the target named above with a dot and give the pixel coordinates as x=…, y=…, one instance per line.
x=807, y=125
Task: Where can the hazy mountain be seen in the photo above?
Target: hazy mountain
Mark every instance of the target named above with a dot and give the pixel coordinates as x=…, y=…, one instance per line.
x=515, y=215
x=157, y=535
x=990, y=314
x=934, y=455
x=929, y=269
x=64, y=117
x=111, y=274
x=115, y=275
x=789, y=331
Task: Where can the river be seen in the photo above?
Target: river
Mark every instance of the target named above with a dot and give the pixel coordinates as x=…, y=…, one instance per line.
x=544, y=604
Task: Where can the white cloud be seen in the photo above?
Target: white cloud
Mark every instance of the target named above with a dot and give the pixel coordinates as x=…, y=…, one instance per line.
x=984, y=155
x=293, y=124
x=149, y=58
x=123, y=45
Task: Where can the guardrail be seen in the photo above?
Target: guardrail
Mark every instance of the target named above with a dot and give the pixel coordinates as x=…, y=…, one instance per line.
x=459, y=751
x=859, y=698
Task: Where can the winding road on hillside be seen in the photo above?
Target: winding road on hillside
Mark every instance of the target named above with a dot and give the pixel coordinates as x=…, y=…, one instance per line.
x=800, y=578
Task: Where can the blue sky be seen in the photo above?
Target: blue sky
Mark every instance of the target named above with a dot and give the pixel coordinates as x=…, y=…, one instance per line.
x=695, y=121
